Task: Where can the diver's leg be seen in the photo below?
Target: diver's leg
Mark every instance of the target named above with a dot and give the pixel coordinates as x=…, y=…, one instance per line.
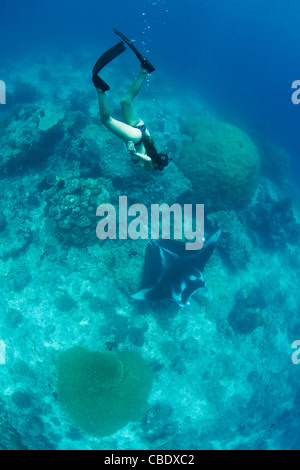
x=144, y=62
x=104, y=108
x=107, y=57
x=120, y=129
x=130, y=114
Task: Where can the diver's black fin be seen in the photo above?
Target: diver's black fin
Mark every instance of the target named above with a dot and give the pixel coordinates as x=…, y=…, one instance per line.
x=107, y=57
x=99, y=83
x=144, y=62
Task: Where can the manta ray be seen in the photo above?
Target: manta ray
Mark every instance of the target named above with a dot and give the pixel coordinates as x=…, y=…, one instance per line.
x=171, y=272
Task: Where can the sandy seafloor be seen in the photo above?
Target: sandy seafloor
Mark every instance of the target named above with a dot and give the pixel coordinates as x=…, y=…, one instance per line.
x=216, y=385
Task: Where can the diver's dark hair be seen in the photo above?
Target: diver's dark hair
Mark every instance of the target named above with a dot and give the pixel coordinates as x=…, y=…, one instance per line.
x=159, y=160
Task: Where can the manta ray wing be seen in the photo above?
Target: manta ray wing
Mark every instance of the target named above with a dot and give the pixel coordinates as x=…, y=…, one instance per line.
x=159, y=265
x=201, y=257
x=170, y=273
x=152, y=266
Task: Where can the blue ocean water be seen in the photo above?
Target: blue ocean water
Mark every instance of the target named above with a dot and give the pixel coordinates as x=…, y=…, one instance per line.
x=223, y=377
x=243, y=55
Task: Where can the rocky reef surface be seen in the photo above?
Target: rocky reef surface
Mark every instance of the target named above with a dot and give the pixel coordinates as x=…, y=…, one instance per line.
x=221, y=369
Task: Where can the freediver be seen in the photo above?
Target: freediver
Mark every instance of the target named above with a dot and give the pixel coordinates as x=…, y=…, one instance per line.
x=133, y=131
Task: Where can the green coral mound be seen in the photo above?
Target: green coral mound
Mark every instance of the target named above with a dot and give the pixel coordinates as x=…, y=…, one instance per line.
x=103, y=391
x=222, y=163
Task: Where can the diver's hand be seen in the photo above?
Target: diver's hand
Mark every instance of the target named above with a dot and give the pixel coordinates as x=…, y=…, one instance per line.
x=131, y=148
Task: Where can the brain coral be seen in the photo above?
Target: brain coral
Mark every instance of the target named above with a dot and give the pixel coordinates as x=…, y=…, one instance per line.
x=222, y=163
x=103, y=391
x=73, y=207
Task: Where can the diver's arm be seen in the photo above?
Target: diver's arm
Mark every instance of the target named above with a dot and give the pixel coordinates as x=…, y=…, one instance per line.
x=143, y=157
x=131, y=149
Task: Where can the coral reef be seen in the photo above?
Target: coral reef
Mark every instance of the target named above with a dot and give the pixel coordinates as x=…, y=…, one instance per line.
x=33, y=134
x=73, y=207
x=273, y=220
x=275, y=161
x=127, y=271
x=158, y=425
x=222, y=368
x=221, y=161
x=114, y=390
x=247, y=313
x=49, y=117
x=235, y=244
